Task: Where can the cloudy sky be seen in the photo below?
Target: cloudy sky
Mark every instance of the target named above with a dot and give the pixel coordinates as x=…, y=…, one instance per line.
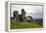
x=34, y=11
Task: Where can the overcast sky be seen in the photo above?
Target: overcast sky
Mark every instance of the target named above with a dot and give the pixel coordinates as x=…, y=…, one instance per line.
x=34, y=11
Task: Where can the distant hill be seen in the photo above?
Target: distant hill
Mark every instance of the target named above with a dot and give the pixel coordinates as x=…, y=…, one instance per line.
x=39, y=20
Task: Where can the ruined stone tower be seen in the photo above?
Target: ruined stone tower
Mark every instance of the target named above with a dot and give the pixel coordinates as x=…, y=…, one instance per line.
x=16, y=17
x=23, y=14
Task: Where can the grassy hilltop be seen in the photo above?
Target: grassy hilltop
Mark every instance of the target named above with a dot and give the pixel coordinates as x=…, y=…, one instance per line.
x=15, y=25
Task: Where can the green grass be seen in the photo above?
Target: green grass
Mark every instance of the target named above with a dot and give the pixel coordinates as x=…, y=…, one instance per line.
x=15, y=25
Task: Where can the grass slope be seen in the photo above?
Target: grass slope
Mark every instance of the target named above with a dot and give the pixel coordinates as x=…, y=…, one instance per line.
x=15, y=25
